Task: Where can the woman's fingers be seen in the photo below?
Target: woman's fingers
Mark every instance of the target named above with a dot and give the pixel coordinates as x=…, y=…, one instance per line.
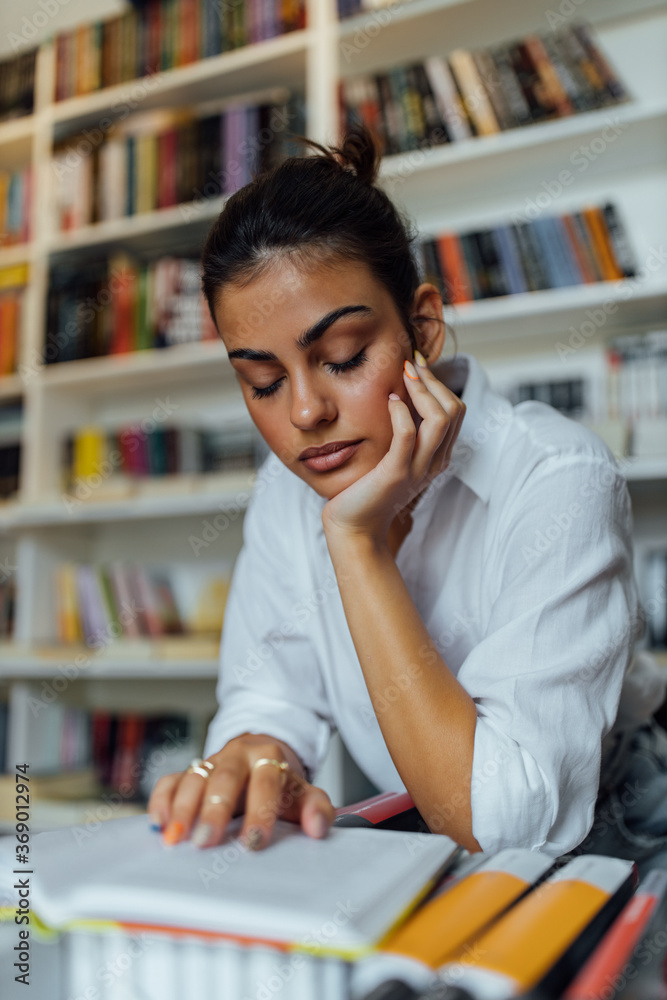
x=159, y=803
x=220, y=801
x=442, y=412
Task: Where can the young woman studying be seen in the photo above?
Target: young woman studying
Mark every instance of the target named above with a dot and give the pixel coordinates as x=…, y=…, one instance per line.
x=443, y=577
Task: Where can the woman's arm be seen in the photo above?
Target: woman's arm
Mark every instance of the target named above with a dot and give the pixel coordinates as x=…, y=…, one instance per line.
x=429, y=724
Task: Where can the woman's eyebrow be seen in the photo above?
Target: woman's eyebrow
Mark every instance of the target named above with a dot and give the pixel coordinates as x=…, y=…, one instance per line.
x=305, y=339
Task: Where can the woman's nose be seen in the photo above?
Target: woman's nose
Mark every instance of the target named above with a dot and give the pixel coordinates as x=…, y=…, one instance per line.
x=310, y=404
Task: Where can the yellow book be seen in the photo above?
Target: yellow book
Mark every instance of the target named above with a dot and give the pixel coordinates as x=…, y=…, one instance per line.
x=69, y=621
x=89, y=453
x=14, y=277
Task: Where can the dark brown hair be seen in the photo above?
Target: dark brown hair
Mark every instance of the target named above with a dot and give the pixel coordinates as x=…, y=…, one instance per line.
x=320, y=209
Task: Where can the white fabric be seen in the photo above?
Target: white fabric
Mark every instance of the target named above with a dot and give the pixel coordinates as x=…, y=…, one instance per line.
x=519, y=561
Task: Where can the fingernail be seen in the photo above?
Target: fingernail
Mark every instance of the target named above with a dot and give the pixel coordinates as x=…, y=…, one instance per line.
x=173, y=833
x=393, y=395
x=320, y=824
x=155, y=821
x=410, y=370
x=253, y=838
x=420, y=359
x=201, y=834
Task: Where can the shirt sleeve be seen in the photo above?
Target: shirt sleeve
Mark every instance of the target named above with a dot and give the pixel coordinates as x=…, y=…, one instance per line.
x=269, y=678
x=547, y=676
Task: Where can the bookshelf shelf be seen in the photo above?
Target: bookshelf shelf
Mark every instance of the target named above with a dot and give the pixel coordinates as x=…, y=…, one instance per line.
x=95, y=374
x=220, y=493
x=134, y=231
x=142, y=661
x=548, y=315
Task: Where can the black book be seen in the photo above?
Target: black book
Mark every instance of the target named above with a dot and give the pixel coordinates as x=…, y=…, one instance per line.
x=531, y=257
x=619, y=241
x=436, y=130
x=492, y=268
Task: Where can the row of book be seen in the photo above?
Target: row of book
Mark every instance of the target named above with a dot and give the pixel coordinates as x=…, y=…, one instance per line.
x=100, y=604
x=121, y=304
x=94, y=455
x=15, y=203
x=549, y=252
x=17, y=85
x=162, y=34
x=467, y=93
x=170, y=156
x=76, y=752
x=374, y=914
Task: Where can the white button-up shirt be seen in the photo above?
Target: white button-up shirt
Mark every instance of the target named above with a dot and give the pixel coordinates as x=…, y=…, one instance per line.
x=519, y=561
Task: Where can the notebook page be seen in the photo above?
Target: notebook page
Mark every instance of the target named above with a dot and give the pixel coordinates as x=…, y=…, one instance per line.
x=337, y=894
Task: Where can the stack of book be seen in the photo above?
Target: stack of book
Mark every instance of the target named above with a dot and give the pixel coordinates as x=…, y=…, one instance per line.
x=101, y=605
x=444, y=99
x=549, y=252
x=12, y=282
x=162, y=34
x=98, y=462
x=169, y=156
x=123, y=304
x=11, y=419
x=362, y=913
x=17, y=84
x=15, y=205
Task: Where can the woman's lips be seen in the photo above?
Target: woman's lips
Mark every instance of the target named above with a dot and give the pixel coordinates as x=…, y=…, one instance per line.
x=324, y=463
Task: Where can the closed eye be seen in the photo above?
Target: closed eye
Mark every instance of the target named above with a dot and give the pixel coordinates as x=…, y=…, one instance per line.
x=358, y=359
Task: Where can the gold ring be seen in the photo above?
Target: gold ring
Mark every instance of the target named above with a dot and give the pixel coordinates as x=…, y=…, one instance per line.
x=282, y=765
x=199, y=766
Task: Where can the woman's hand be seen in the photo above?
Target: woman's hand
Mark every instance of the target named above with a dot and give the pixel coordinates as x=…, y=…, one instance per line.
x=415, y=457
x=264, y=794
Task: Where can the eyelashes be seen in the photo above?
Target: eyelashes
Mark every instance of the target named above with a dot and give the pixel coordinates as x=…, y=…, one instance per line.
x=335, y=369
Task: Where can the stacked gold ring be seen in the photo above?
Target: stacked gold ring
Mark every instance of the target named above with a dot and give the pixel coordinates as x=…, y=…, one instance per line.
x=199, y=766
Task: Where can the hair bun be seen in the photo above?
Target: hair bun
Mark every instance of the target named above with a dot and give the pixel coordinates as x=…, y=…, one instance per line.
x=360, y=151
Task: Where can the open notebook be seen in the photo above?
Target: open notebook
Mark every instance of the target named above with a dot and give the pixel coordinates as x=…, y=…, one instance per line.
x=358, y=883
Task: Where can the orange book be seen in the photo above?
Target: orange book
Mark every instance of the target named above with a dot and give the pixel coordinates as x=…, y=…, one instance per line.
x=601, y=245
x=452, y=262
x=9, y=322
x=539, y=941
x=123, y=305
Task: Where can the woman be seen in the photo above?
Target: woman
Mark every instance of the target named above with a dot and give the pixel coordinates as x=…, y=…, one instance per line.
x=451, y=588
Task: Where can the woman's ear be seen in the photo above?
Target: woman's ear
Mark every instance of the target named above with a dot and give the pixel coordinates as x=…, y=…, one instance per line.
x=428, y=316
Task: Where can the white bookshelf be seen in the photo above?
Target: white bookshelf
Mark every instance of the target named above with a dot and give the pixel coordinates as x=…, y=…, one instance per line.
x=457, y=187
